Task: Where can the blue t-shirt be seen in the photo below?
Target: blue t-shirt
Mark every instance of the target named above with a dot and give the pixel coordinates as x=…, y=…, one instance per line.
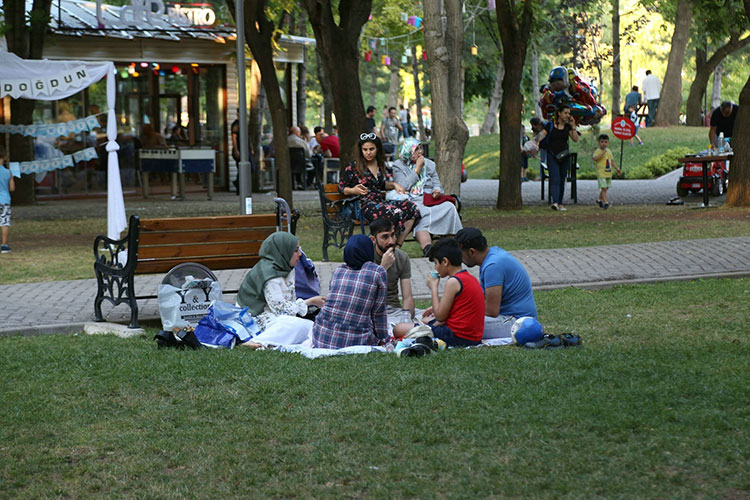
x=4, y=181
x=500, y=268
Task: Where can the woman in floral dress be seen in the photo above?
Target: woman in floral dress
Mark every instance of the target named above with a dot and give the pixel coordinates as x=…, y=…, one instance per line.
x=365, y=177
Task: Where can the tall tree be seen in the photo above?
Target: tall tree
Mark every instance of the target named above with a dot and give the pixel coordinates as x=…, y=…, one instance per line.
x=738, y=192
x=704, y=68
x=514, y=22
x=670, y=100
x=444, y=38
x=338, y=46
x=616, y=74
x=417, y=92
x=261, y=35
x=24, y=36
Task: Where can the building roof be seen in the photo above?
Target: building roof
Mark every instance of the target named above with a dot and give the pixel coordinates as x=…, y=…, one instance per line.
x=79, y=18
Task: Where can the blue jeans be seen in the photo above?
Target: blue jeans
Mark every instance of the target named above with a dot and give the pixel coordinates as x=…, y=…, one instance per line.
x=445, y=334
x=558, y=170
x=653, y=105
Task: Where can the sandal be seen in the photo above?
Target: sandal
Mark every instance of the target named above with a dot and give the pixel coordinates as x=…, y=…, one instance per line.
x=571, y=340
x=547, y=342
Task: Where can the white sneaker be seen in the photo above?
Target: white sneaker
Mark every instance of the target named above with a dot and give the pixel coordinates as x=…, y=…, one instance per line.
x=561, y=208
x=554, y=206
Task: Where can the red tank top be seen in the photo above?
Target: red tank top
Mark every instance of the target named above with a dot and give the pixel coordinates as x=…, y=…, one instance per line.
x=466, y=318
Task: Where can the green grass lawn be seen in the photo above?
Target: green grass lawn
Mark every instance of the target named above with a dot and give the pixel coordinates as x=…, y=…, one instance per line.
x=654, y=405
x=62, y=250
x=482, y=155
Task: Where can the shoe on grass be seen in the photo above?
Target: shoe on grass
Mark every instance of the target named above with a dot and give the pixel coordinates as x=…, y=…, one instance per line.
x=605, y=206
x=554, y=206
x=600, y=203
x=547, y=342
x=570, y=340
x=562, y=208
x=5, y=249
x=415, y=350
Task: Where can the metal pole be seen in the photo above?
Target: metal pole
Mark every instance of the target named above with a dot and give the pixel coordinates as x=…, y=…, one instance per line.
x=246, y=200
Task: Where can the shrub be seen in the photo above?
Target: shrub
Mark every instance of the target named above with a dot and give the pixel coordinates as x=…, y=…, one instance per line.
x=639, y=172
x=531, y=173
x=659, y=165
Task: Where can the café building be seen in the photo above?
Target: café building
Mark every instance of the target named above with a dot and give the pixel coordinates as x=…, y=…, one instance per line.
x=176, y=79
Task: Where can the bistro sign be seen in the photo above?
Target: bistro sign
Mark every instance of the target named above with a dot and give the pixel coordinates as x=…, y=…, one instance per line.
x=143, y=11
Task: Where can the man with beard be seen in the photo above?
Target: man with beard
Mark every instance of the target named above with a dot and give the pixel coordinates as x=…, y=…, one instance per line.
x=398, y=269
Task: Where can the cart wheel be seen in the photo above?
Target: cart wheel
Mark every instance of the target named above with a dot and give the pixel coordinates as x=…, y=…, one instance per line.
x=681, y=191
x=717, y=188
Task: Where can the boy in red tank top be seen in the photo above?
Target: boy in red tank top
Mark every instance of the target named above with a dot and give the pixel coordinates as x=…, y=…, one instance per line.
x=457, y=317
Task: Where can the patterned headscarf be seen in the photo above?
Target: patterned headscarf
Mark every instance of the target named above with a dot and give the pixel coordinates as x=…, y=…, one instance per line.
x=406, y=153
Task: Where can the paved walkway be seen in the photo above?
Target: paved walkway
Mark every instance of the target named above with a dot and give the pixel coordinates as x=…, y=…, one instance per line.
x=65, y=306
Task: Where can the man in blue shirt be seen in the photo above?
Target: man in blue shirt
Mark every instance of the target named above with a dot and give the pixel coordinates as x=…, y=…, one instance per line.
x=506, y=284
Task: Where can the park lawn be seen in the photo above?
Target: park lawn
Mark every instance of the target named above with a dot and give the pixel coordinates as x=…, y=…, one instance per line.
x=63, y=250
x=482, y=155
x=654, y=405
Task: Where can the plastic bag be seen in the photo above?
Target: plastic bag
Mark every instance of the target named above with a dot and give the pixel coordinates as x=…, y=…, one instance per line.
x=180, y=307
x=225, y=325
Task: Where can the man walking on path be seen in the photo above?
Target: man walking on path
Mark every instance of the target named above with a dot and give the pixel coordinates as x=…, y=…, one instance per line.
x=651, y=91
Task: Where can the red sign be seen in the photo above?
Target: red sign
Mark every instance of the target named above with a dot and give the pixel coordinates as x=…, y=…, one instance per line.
x=623, y=128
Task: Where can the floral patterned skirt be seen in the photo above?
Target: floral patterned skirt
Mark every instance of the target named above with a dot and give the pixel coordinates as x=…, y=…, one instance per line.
x=398, y=212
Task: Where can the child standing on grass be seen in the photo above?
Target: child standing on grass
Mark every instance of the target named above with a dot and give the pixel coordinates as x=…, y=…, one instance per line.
x=458, y=317
x=7, y=185
x=604, y=162
x=634, y=119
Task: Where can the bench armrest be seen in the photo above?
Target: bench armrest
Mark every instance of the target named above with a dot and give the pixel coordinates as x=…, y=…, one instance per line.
x=107, y=252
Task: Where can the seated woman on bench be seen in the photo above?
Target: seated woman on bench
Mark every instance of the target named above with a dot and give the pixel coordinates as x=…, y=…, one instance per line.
x=417, y=177
x=365, y=177
x=268, y=292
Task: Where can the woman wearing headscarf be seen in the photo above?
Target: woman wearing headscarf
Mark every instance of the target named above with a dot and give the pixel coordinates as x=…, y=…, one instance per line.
x=417, y=176
x=365, y=177
x=268, y=293
x=354, y=311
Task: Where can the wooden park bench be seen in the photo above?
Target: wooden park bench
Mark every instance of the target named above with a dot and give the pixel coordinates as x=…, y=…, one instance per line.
x=338, y=219
x=157, y=245
x=337, y=227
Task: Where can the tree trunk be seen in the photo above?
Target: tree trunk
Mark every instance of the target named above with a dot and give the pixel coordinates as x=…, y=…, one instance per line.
x=260, y=32
x=394, y=87
x=703, y=70
x=373, y=83
x=338, y=45
x=417, y=92
x=670, y=100
x=716, y=87
x=257, y=108
x=325, y=89
x=26, y=42
x=443, y=36
x=616, y=74
x=490, y=121
x=514, y=33
x=535, y=80
x=738, y=190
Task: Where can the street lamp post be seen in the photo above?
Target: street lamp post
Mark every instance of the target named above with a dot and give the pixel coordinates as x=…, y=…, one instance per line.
x=243, y=168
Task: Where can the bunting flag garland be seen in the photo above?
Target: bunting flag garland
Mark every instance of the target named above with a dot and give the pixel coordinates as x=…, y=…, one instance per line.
x=76, y=77
x=37, y=166
x=55, y=129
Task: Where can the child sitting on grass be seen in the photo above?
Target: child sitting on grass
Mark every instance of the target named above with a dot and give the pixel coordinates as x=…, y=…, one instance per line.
x=458, y=317
x=7, y=185
x=604, y=162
